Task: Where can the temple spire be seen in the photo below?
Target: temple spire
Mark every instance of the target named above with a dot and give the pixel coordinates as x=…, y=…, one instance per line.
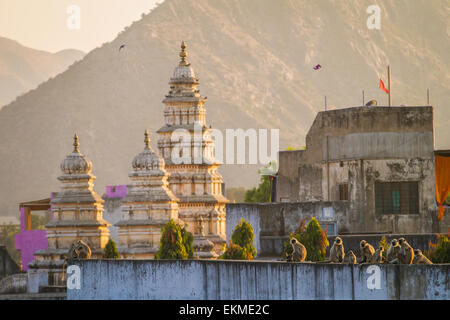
x=183, y=55
x=76, y=144
x=146, y=140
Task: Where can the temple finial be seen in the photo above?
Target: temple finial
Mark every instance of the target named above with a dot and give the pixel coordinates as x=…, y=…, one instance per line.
x=76, y=144
x=146, y=140
x=183, y=54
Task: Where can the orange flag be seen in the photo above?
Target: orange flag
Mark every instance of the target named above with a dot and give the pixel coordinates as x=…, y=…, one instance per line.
x=442, y=175
x=382, y=87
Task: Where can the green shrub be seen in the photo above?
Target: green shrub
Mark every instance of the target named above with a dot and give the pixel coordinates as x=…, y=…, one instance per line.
x=439, y=252
x=260, y=194
x=235, y=252
x=312, y=237
x=188, y=242
x=383, y=243
x=171, y=244
x=243, y=236
x=111, y=250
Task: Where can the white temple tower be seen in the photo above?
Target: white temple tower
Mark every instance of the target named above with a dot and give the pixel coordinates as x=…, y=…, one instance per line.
x=77, y=215
x=148, y=206
x=188, y=150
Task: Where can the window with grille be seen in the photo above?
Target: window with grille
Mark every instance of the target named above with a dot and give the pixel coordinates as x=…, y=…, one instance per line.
x=397, y=197
x=343, y=191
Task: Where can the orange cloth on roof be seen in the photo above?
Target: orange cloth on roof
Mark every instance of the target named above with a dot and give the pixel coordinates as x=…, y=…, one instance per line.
x=442, y=174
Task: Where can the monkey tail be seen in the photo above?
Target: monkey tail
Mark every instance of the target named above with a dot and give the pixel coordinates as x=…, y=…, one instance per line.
x=64, y=266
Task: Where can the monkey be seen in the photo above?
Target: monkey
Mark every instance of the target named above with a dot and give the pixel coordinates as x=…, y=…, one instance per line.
x=337, y=253
x=299, y=251
x=78, y=250
x=393, y=251
x=351, y=257
x=378, y=255
x=406, y=254
x=420, y=258
x=367, y=251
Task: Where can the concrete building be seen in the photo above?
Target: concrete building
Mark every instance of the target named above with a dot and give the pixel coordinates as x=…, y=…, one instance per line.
x=377, y=159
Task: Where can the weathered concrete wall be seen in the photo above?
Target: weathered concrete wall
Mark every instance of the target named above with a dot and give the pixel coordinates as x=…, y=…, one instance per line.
x=287, y=180
x=361, y=176
x=7, y=264
x=14, y=283
x=204, y=280
x=379, y=145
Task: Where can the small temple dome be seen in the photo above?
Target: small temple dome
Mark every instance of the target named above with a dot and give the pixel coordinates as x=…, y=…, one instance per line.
x=76, y=163
x=147, y=159
x=184, y=69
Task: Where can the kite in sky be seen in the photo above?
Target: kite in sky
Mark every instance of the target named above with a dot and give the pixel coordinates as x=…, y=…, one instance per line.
x=317, y=67
x=122, y=46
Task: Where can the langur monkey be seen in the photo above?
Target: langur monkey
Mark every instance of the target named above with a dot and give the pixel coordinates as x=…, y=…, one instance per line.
x=299, y=251
x=367, y=251
x=378, y=255
x=78, y=250
x=406, y=254
x=419, y=258
x=393, y=251
x=337, y=253
x=351, y=257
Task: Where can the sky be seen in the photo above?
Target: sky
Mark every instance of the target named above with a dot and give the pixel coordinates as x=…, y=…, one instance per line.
x=54, y=25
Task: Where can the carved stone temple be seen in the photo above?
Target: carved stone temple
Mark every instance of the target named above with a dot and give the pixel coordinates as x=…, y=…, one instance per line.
x=186, y=145
x=147, y=207
x=77, y=215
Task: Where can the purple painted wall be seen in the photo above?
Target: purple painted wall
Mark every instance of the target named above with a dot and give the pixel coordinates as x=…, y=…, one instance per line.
x=116, y=191
x=30, y=241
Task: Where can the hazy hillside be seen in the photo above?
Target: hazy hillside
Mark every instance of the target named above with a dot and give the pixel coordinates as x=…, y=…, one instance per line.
x=254, y=59
x=22, y=68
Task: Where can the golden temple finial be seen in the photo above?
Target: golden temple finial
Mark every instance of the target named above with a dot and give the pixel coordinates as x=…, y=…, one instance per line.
x=183, y=54
x=76, y=144
x=146, y=140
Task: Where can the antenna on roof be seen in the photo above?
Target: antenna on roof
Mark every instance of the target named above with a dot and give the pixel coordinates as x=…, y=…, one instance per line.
x=363, y=96
x=428, y=96
x=325, y=103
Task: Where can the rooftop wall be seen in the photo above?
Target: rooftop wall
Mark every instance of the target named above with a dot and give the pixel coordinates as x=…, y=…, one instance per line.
x=255, y=280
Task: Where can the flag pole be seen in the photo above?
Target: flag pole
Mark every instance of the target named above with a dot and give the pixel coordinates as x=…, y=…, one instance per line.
x=389, y=84
x=428, y=97
x=363, y=97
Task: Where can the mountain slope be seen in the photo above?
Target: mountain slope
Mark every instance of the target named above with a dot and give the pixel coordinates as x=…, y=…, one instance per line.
x=254, y=59
x=22, y=68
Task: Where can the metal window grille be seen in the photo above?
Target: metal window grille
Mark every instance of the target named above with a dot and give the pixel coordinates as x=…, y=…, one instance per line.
x=397, y=197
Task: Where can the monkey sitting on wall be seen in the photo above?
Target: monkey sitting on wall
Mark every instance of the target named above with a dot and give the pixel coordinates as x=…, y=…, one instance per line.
x=78, y=250
x=420, y=258
x=378, y=255
x=367, y=251
x=393, y=251
x=406, y=254
x=337, y=253
x=299, y=251
x=351, y=257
